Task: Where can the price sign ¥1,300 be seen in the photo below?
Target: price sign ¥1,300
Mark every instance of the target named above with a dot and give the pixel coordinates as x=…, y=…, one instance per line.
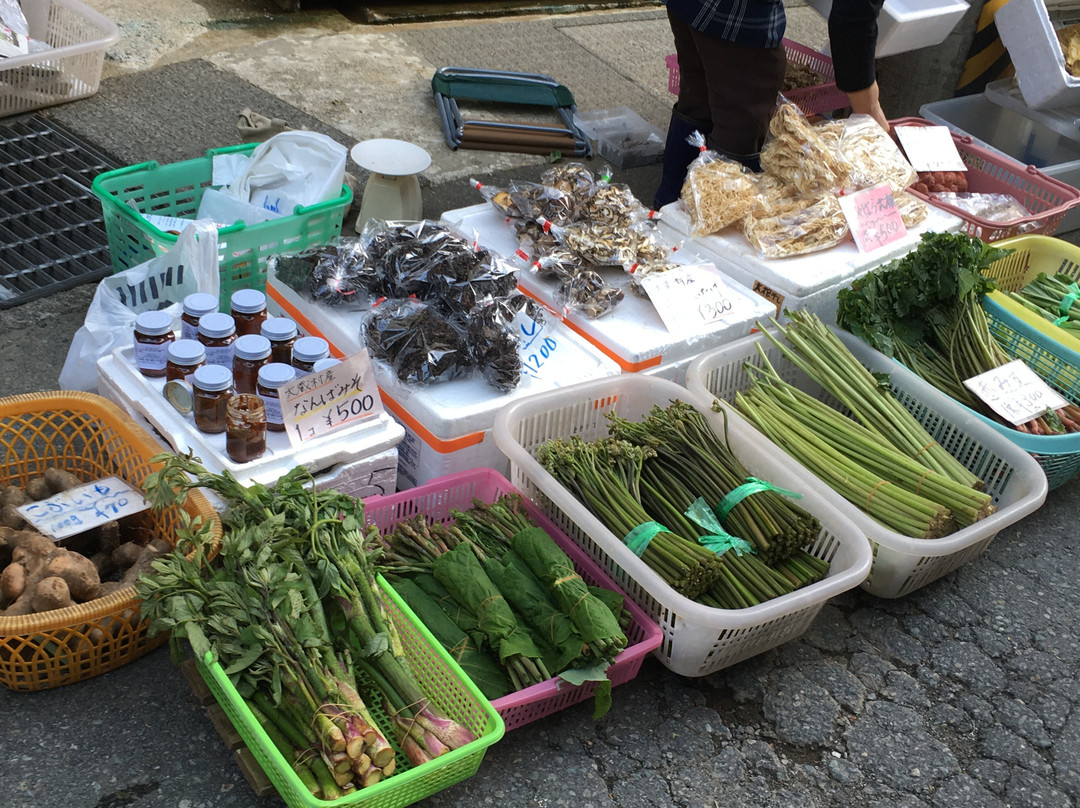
x=330, y=400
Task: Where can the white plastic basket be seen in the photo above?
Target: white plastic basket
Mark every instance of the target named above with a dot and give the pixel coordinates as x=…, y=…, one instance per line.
x=902, y=563
x=698, y=640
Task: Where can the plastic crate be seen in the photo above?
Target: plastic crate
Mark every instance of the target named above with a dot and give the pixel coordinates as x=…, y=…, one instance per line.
x=442, y=680
x=1032, y=255
x=70, y=69
x=176, y=190
x=902, y=563
x=91, y=438
x=989, y=172
x=819, y=99
x=698, y=640
x=436, y=499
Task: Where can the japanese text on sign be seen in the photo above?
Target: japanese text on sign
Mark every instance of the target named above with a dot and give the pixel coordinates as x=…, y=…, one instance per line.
x=538, y=344
x=770, y=294
x=1015, y=392
x=83, y=507
x=873, y=217
x=930, y=148
x=690, y=297
x=330, y=399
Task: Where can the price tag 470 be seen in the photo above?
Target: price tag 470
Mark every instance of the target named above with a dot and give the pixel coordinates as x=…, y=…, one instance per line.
x=83, y=507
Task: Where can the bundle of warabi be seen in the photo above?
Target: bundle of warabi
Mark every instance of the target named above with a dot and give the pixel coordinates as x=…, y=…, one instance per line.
x=684, y=503
x=505, y=600
x=291, y=609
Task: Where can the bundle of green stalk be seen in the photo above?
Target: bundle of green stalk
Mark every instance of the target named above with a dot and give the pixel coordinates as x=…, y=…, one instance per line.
x=925, y=310
x=291, y=609
x=1053, y=297
x=494, y=582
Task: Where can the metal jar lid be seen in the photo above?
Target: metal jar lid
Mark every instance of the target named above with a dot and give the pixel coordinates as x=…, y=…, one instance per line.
x=213, y=378
x=310, y=349
x=217, y=324
x=179, y=393
x=154, y=323
x=186, y=352
x=199, y=304
x=278, y=328
x=247, y=301
x=276, y=374
x=251, y=347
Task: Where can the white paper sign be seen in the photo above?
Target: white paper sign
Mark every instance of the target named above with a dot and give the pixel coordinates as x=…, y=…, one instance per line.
x=873, y=218
x=930, y=148
x=168, y=224
x=692, y=297
x=539, y=344
x=1015, y=392
x=83, y=507
x=330, y=399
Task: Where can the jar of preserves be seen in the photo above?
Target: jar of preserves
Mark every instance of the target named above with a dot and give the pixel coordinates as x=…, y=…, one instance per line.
x=248, y=310
x=250, y=352
x=196, y=306
x=152, y=335
x=185, y=357
x=282, y=333
x=306, y=352
x=217, y=333
x=272, y=377
x=212, y=386
x=245, y=427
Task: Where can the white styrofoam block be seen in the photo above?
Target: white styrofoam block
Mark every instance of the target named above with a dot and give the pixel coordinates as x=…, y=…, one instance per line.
x=632, y=333
x=1028, y=34
x=907, y=25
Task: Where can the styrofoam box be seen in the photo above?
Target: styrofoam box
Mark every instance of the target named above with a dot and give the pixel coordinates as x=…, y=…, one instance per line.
x=448, y=424
x=120, y=381
x=1007, y=131
x=809, y=281
x=907, y=25
x=632, y=334
x=1030, y=37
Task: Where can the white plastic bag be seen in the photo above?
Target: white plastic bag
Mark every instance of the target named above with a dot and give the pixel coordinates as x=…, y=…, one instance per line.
x=160, y=283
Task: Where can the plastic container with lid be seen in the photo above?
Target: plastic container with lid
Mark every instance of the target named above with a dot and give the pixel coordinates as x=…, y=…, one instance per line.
x=307, y=351
x=282, y=333
x=217, y=333
x=152, y=335
x=184, y=358
x=250, y=353
x=196, y=306
x=248, y=310
x=271, y=378
x=213, y=387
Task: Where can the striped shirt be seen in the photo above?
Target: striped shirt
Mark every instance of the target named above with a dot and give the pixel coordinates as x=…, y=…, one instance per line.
x=750, y=23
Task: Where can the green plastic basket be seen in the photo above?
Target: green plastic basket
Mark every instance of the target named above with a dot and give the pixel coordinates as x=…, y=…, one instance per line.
x=449, y=689
x=176, y=189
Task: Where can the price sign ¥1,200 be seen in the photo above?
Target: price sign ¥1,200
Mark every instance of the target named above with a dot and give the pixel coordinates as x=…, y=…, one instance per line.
x=1015, y=392
x=330, y=400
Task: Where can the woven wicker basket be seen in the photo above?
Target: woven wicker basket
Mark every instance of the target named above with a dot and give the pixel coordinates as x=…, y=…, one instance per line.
x=92, y=438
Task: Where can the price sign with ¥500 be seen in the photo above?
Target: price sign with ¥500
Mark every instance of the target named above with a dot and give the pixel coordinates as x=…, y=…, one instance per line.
x=1015, y=392
x=873, y=217
x=330, y=400
x=83, y=507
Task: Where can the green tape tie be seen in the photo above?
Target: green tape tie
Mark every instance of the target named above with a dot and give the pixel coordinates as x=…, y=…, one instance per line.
x=718, y=540
x=1068, y=300
x=638, y=539
x=752, y=486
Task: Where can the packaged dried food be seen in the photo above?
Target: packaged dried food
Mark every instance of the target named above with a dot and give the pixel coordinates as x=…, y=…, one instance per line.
x=992, y=207
x=913, y=211
x=419, y=343
x=874, y=155
x=717, y=191
x=334, y=274
x=588, y=294
x=802, y=156
x=495, y=348
x=571, y=178
x=818, y=224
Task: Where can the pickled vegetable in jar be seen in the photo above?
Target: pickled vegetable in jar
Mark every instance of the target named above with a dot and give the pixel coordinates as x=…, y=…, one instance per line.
x=272, y=377
x=196, y=306
x=245, y=428
x=212, y=387
x=251, y=352
x=217, y=333
x=306, y=352
x=248, y=310
x=185, y=357
x=152, y=335
x=282, y=333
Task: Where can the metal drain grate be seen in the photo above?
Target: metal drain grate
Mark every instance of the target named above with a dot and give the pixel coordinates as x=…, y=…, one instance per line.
x=52, y=235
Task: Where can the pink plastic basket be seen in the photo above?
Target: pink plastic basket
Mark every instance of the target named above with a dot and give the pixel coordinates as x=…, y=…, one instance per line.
x=816, y=100
x=456, y=491
x=1048, y=199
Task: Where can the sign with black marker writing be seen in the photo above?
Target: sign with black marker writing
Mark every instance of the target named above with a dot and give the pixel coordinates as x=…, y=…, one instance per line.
x=538, y=343
x=84, y=507
x=930, y=148
x=692, y=297
x=1015, y=392
x=873, y=217
x=329, y=400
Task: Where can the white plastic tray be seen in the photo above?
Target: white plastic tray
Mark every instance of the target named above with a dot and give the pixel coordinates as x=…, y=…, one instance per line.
x=902, y=563
x=698, y=640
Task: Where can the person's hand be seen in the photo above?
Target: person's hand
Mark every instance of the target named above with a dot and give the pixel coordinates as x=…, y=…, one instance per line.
x=866, y=101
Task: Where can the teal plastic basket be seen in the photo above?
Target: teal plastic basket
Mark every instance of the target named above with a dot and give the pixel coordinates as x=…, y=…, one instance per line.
x=442, y=680
x=176, y=189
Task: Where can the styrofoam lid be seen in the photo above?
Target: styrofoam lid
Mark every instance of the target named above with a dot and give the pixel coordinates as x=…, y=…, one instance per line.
x=251, y=346
x=276, y=374
x=213, y=378
x=187, y=352
x=198, y=304
x=310, y=349
x=278, y=328
x=154, y=323
x=216, y=324
x=247, y=301
x=395, y=158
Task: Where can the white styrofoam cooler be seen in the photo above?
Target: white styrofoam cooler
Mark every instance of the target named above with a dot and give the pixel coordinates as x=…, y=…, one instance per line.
x=447, y=425
x=907, y=25
x=360, y=460
x=632, y=334
x=809, y=281
x=1028, y=34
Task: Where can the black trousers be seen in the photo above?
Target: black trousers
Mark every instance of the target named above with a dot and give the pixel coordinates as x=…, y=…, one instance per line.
x=732, y=86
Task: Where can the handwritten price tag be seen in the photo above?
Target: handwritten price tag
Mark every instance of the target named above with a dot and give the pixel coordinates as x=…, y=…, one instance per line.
x=873, y=217
x=329, y=400
x=1015, y=392
x=83, y=507
x=930, y=148
x=692, y=297
x=539, y=343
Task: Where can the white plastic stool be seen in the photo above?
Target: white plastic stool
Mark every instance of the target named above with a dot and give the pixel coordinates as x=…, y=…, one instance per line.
x=392, y=191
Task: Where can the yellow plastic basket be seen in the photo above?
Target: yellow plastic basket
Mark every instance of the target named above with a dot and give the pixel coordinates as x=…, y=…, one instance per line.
x=92, y=438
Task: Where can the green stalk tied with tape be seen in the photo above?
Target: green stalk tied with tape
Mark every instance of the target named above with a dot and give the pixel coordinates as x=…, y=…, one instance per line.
x=638, y=539
x=752, y=486
x=717, y=540
x=1066, y=303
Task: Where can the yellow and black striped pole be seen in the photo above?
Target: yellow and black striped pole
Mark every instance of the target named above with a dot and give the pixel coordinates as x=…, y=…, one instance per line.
x=987, y=59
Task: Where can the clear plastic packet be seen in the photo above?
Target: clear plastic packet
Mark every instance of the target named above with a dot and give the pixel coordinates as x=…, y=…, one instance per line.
x=494, y=347
x=336, y=274
x=419, y=343
x=490, y=277
x=800, y=155
x=935, y=182
x=992, y=207
x=418, y=258
x=817, y=224
x=874, y=155
x=913, y=211
x=570, y=178
x=499, y=198
x=588, y=294
x=558, y=263
x=536, y=201
x=717, y=191
x=533, y=238
x=614, y=204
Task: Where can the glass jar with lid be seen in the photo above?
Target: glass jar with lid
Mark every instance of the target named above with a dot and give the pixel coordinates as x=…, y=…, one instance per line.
x=272, y=378
x=196, y=306
x=282, y=333
x=324, y=363
x=152, y=335
x=248, y=310
x=306, y=352
x=185, y=357
x=212, y=386
x=245, y=427
x=217, y=333
x=250, y=352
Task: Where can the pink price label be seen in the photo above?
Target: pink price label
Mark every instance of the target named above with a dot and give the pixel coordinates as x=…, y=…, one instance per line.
x=873, y=217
